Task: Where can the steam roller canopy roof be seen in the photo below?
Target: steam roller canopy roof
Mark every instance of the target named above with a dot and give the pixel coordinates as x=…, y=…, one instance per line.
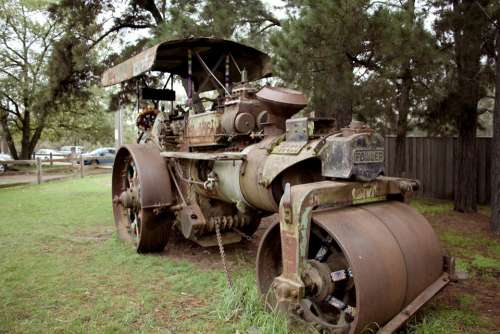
x=172, y=57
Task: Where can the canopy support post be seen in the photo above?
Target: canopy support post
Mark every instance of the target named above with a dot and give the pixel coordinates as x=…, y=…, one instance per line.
x=226, y=74
x=190, y=78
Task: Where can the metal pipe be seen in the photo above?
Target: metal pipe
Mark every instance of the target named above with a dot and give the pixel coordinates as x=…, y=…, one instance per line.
x=205, y=66
x=226, y=74
x=190, y=78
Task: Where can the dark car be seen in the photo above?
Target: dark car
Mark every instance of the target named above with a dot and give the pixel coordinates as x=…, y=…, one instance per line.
x=100, y=156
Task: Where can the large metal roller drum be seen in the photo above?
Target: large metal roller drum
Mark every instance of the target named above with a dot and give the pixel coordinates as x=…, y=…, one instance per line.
x=389, y=250
x=141, y=193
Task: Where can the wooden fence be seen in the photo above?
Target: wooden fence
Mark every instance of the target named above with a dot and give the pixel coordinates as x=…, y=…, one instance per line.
x=430, y=160
x=75, y=165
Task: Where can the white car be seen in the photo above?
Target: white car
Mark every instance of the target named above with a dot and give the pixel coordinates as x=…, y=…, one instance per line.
x=44, y=154
x=3, y=157
x=67, y=150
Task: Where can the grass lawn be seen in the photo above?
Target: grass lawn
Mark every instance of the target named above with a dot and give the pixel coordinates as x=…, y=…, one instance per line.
x=62, y=270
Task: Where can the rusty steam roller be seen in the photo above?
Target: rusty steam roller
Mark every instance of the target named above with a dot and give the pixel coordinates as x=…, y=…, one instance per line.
x=348, y=254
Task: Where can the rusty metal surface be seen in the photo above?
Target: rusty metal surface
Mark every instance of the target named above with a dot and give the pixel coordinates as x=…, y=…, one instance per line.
x=298, y=129
x=282, y=101
x=358, y=154
x=269, y=261
x=204, y=129
x=387, y=258
x=156, y=190
x=241, y=111
x=418, y=242
x=282, y=157
x=155, y=196
x=216, y=156
x=171, y=57
x=255, y=193
x=381, y=241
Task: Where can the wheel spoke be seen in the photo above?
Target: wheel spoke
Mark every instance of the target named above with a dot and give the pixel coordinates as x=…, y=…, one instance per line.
x=324, y=250
x=341, y=306
x=131, y=172
x=341, y=275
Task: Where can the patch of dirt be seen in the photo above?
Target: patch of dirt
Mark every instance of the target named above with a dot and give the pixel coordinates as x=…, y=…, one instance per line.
x=238, y=255
x=97, y=233
x=463, y=223
x=482, y=284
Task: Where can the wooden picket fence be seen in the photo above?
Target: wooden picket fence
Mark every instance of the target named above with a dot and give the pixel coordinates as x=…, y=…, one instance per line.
x=75, y=165
x=430, y=160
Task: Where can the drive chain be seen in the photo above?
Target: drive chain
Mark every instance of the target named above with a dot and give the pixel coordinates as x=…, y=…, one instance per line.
x=222, y=253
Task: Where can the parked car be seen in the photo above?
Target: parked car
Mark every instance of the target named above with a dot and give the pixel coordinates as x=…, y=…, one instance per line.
x=3, y=157
x=44, y=154
x=67, y=150
x=102, y=155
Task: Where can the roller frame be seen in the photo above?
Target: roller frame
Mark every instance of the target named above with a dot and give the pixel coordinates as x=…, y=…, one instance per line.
x=295, y=214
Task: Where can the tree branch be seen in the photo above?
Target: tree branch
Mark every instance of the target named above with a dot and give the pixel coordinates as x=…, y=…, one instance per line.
x=12, y=76
x=17, y=112
x=150, y=6
x=117, y=28
x=488, y=16
x=267, y=27
x=362, y=62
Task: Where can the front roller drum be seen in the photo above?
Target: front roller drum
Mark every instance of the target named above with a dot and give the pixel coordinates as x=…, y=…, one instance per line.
x=365, y=264
x=142, y=194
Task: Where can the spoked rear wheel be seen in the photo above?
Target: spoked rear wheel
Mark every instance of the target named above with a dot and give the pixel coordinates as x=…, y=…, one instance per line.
x=145, y=226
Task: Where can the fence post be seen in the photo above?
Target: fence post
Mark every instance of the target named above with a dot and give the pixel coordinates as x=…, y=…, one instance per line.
x=51, y=162
x=38, y=170
x=73, y=158
x=81, y=166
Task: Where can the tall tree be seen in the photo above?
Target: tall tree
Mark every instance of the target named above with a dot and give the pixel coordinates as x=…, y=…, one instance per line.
x=318, y=48
x=26, y=44
x=404, y=103
x=495, y=145
x=464, y=30
x=46, y=66
x=406, y=58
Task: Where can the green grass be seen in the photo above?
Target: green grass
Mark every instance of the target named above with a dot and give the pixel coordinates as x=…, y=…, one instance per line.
x=446, y=320
x=431, y=207
x=463, y=243
x=62, y=270
x=483, y=262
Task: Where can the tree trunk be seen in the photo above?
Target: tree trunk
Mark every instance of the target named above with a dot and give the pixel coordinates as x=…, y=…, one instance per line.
x=468, y=55
x=404, y=99
x=495, y=147
x=465, y=198
x=8, y=137
x=26, y=133
x=342, y=94
x=402, y=124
